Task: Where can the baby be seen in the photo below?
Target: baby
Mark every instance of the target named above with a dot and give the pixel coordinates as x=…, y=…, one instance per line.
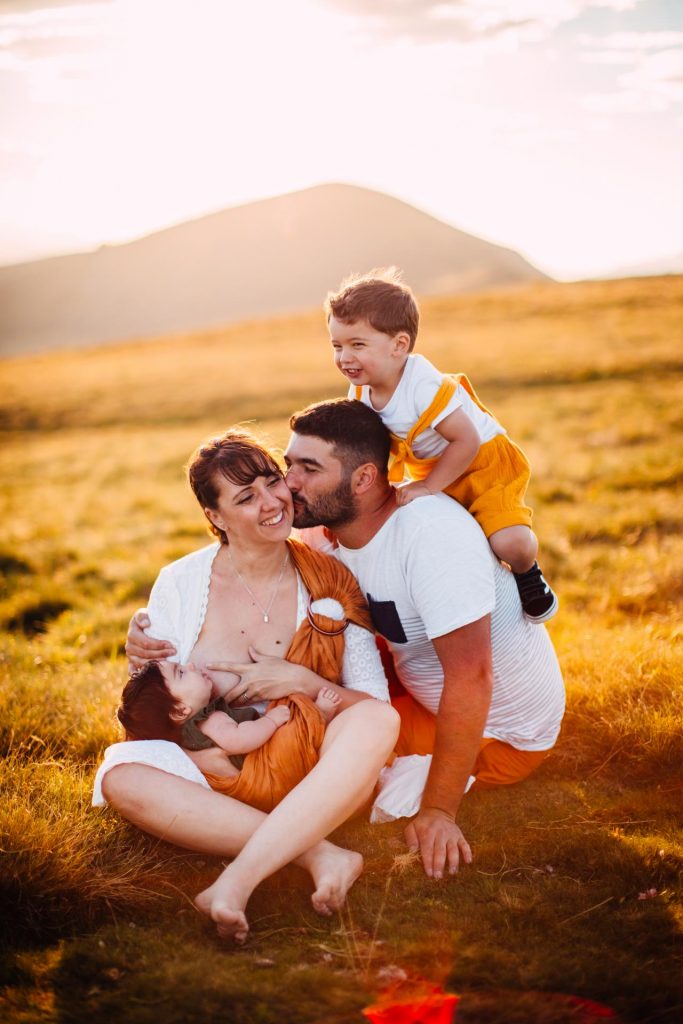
x=163, y=700
x=442, y=435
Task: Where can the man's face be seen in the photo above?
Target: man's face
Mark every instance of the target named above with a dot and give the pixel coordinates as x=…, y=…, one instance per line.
x=320, y=486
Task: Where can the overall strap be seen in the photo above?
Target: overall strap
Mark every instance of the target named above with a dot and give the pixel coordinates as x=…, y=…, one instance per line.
x=402, y=450
x=437, y=405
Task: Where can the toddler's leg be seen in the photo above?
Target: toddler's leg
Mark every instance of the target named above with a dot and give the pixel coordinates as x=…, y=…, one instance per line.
x=517, y=545
x=327, y=703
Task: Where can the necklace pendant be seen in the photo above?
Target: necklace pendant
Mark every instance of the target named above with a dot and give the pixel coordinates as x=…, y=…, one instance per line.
x=265, y=618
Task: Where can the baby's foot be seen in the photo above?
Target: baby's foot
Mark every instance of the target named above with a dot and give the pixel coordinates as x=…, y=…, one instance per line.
x=328, y=703
x=334, y=871
x=225, y=903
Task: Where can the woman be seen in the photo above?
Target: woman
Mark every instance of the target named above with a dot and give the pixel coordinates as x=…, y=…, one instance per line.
x=237, y=601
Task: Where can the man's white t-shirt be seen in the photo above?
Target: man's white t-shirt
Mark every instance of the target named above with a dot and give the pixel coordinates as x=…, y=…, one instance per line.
x=429, y=570
x=415, y=392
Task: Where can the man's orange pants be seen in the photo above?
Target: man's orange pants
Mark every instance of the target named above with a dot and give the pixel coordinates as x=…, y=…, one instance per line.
x=497, y=763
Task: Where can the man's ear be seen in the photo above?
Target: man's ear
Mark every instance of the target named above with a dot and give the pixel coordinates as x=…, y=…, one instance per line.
x=363, y=477
x=180, y=713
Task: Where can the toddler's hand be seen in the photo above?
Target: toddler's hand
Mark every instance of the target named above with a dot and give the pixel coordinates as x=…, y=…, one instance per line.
x=409, y=492
x=279, y=715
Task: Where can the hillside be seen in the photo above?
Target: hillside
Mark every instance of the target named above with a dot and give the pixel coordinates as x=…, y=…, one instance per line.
x=274, y=256
x=533, y=336
x=575, y=889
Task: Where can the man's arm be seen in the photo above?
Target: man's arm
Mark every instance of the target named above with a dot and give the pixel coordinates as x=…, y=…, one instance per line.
x=465, y=655
x=141, y=648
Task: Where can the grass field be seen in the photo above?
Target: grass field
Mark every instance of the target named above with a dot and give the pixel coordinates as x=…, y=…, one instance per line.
x=575, y=887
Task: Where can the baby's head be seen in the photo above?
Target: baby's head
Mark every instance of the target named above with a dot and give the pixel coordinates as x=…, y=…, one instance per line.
x=373, y=321
x=159, y=697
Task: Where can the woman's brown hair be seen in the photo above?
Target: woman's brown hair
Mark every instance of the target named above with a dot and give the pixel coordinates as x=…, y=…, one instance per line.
x=238, y=457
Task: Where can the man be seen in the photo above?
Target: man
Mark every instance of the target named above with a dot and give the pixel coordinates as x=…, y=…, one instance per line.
x=487, y=692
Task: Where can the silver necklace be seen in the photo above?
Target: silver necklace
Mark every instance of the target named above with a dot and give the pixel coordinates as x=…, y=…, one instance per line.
x=265, y=612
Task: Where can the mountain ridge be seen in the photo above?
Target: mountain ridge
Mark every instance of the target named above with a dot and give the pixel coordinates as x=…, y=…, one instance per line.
x=276, y=255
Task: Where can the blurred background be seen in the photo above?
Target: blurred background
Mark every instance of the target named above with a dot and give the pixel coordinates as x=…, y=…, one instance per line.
x=216, y=130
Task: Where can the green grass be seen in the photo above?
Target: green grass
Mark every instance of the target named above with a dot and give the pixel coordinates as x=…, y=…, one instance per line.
x=97, y=920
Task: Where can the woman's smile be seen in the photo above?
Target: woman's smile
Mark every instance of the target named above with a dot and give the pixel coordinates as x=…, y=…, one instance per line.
x=274, y=520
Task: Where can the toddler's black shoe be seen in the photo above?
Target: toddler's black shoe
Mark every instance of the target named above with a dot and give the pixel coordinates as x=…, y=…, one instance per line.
x=539, y=602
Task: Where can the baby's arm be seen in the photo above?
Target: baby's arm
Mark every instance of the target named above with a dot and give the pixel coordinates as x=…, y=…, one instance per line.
x=241, y=737
x=463, y=444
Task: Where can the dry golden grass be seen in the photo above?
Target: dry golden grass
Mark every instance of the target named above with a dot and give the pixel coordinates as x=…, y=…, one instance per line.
x=588, y=378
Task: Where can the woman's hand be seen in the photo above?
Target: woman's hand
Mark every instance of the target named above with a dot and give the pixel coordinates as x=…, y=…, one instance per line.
x=141, y=648
x=267, y=678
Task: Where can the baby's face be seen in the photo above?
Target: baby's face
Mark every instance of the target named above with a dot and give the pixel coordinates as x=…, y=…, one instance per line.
x=189, y=685
x=364, y=355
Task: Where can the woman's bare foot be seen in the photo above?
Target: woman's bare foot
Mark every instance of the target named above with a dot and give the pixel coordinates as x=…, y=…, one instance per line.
x=327, y=702
x=224, y=902
x=333, y=871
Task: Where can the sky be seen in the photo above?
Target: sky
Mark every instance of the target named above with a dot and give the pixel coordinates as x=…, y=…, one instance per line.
x=554, y=127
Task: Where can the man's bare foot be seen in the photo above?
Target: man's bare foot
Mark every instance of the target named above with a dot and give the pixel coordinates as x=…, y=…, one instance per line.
x=333, y=871
x=225, y=903
x=327, y=703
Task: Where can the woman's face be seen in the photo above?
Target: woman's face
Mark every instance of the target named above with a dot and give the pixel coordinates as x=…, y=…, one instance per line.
x=260, y=511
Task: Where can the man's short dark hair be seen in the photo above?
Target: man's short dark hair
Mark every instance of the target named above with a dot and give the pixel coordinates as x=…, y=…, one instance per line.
x=355, y=430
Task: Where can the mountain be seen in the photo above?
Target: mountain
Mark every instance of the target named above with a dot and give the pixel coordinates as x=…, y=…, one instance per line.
x=274, y=256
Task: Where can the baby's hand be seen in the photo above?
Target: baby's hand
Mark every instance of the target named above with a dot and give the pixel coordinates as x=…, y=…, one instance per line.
x=409, y=492
x=279, y=715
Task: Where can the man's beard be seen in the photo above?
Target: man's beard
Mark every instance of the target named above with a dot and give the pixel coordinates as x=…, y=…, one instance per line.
x=334, y=509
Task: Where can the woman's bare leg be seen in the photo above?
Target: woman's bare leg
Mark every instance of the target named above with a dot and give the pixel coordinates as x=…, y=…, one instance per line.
x=356, y=746
x=183, y=813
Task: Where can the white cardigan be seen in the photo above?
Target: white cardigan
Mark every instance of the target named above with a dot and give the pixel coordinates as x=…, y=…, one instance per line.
x=177, y=609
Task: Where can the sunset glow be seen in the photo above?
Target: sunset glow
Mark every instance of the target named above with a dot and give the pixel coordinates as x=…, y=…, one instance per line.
x=554, y=127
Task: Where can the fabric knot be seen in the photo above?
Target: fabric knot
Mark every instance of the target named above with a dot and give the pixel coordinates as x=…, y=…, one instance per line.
x=326, y=616
x=329, y=607
x=400, y=451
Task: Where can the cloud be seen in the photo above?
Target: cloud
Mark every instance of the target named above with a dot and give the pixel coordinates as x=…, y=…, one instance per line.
x=58, y=33
x=466, y=21
x=658, y=75
x=633, y=41
x=22, y=6
x=653, y=80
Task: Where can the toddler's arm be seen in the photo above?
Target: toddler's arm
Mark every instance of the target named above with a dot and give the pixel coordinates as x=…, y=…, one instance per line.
x=241, y=737
x=463, y=445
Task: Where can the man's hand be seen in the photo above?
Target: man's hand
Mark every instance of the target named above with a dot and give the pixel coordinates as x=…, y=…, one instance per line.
x=439, y=841
x=141, y=648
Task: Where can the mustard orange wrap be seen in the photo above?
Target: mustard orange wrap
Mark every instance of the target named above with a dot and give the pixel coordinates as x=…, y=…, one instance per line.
x=270, y=772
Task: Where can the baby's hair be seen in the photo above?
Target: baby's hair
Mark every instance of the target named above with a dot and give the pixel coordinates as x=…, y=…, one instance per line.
x=381, y=298
x=146, y=706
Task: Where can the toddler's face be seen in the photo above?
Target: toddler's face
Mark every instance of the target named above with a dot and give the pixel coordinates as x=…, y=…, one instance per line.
x=362, y=354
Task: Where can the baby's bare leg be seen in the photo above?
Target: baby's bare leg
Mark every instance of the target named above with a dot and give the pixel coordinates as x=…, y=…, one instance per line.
x=328, y=703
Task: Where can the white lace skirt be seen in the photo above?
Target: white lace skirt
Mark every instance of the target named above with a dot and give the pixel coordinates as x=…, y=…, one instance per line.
x=400, y=786
x=167, y=757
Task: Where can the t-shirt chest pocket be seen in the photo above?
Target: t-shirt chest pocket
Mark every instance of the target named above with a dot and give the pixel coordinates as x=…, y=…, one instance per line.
x=386, y=620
